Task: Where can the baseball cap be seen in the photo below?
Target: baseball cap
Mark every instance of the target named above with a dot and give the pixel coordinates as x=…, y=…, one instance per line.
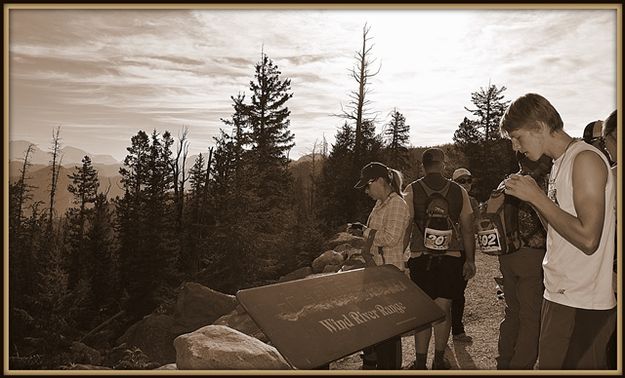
x=371, y=171
x=433, y=154
x=592, y=131
x=459, y=173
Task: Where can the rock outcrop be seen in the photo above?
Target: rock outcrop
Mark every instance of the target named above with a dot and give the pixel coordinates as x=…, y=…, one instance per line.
x=198, y=305
x=218, y=347
x=330, y=257
x=154, y=335
x=345, y=238
x=240, y=320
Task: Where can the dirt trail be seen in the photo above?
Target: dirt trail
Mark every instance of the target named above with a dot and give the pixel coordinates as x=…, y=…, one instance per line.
x=482, y=314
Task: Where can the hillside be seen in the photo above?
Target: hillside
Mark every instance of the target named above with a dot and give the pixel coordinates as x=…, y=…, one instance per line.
x=70, y=155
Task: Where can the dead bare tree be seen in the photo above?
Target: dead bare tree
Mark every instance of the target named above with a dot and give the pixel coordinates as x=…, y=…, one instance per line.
x=178, y=166
x=357, y=107
x=56, y=166
x=22, y=189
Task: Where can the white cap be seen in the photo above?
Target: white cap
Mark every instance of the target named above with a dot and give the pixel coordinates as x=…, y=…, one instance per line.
x=459, y=173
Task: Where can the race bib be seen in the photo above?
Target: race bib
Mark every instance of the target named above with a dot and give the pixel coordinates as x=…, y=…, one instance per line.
x=437, y=239
x=488, y=241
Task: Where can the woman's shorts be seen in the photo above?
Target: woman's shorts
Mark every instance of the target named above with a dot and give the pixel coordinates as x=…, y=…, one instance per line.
x=439, y=276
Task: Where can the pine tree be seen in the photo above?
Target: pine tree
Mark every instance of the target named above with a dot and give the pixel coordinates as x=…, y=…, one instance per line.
x=397, y=139
x=270, y=141
x=337, y=181
x=146, y=223
x=490, y=158
x=100, y=243
x=83, y=186
x=490, y=107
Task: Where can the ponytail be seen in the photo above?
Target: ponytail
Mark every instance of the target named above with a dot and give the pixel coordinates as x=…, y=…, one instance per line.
x=395, y=180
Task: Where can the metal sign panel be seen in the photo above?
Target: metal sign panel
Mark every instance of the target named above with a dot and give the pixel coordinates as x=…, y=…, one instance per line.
x=316, y=320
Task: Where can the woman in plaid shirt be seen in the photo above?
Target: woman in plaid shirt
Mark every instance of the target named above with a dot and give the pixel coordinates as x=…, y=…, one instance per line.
x=386, y=229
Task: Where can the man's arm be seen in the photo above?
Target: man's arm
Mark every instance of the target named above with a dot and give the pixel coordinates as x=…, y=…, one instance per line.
x=468, y=239
x=589, y=180
x=409, y=201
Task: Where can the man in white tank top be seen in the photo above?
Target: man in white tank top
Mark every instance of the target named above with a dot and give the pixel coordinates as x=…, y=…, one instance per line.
x=579, y=306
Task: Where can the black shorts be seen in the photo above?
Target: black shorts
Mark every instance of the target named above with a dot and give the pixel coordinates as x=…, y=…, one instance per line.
x=439, y=276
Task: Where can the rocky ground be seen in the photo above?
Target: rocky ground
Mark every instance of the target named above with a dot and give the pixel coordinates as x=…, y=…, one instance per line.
x=482, y=314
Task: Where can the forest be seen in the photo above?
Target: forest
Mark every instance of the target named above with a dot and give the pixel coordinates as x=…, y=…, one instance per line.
x=242, y=216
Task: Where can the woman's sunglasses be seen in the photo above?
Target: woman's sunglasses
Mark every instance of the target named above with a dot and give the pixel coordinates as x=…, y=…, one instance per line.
x=468, y=180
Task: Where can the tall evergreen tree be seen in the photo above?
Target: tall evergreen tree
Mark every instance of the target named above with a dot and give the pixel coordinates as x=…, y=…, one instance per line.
x=397, y=135
x=490, y=158
x=337, y=181
x=270, y=142
x=148, y=250
x=489, y=108
x=83, y=186
x=100, y=244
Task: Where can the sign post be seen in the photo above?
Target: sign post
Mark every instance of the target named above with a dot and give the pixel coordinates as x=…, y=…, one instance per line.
x=313, y=321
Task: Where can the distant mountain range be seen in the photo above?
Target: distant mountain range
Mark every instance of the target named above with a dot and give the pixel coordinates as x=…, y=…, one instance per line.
x=39, y=172
x=71, y=155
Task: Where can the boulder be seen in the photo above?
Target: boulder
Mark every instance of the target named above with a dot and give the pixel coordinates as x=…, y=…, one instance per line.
x=154, y=335
x=167, y=367
x=82, y=354
x=217, y=347
x=240, y=320
x=345, y=238
x=297, y=274
x=355, y=261
x=331, y=268
x=198, y=305
x=84, y=367
x=327, y=258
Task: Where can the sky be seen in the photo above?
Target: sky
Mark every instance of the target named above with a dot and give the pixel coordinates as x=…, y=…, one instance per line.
x=102, y=75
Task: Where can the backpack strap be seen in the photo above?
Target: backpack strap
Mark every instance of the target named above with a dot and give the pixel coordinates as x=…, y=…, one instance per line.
x=428, y=191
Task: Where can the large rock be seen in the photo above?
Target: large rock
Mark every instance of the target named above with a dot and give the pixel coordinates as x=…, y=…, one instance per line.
x=345, y=238
x=167, y=367
x=327, y=258
x=82, y=354
x=218, y=347
x=154, y=335
x=240, y=320
x=198, y=305
x=297, y=274
x=346, y=250
x=84, y=367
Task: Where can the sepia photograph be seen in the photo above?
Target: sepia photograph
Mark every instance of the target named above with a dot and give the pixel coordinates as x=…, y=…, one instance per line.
x=253, y=189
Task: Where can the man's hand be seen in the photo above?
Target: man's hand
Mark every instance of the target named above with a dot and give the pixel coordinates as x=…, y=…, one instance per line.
x=524, y=187
x=468, y=270
x=356, y=229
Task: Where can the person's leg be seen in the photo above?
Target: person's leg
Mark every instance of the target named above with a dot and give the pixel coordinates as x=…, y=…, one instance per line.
x=421, y=274
x=590, y=337
x=556, y=327
x=421, y=343
x=528, y=265
x=509, y=326
x=441, y=335
x=457, y=312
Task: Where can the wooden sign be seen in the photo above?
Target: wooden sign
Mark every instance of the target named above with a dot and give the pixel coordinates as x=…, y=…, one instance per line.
x=317, y=320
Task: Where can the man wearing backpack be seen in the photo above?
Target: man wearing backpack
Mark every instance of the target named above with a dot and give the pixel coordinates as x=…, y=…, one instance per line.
x=521, y=267
x=442, y=227
x=579, y=306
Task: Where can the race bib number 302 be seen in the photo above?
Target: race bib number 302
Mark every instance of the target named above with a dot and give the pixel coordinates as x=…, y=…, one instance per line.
x=488, y=241
x=437, y=239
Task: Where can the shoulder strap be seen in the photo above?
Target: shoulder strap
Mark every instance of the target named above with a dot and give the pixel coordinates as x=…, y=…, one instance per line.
x=428, y=191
